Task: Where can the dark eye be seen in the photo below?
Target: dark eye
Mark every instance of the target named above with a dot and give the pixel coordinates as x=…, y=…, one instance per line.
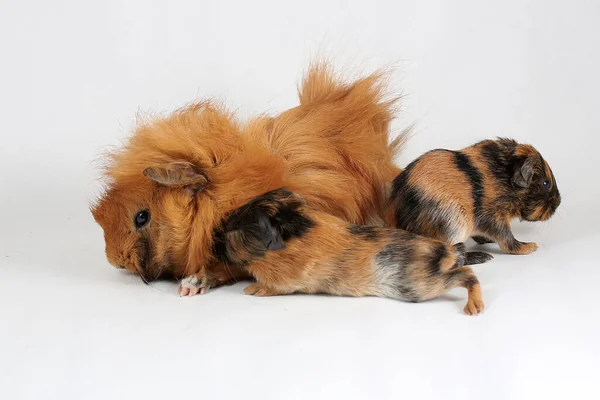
x=546, y=184
x=141, y=218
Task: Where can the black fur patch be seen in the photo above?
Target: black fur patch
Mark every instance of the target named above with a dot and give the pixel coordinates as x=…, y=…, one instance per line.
x=400, y=182
x=408, y=207
x=482, y=240
x=286, y=215
x=270, y=235
x=151, y=269
x=491, y=226
x=471, y=281
x=219, y=248
x=412, y=206
x=497, y=159
x=463, y=162
x=512, y=244
x=266, y=223
x=477, y=257
x=364, y=231
x=144, y=253
x=502, y=161
x=462, y=278
x=439, y=253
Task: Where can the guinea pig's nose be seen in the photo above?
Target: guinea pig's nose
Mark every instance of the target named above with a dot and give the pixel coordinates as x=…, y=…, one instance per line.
x=121, y=266
x=557, y=202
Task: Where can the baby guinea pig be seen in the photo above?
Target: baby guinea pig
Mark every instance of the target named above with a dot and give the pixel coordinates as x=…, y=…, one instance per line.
x=477, y=191
x=290, y=248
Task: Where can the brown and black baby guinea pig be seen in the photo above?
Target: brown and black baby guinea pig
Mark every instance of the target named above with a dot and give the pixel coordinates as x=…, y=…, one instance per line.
x=289, y=247
x=477, y=191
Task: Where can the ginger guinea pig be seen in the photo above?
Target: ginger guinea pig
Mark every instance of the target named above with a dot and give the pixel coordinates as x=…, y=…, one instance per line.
x=289, y=247
x=477, y=191
x=170, y=185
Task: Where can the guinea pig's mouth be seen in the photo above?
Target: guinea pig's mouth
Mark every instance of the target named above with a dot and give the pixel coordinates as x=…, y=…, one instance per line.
x=548, y=213
x=149, y=267
x=151, y=273
x=148, y=275
x=540, y=213
x=148, y=271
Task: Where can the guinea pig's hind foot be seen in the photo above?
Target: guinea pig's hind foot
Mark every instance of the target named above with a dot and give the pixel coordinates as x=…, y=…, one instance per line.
x=477, y=257
x=191, y=286
x=482, y=240
x=474, y=305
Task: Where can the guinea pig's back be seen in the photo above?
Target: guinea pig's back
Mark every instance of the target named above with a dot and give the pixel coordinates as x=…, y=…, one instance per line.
x=432, y=197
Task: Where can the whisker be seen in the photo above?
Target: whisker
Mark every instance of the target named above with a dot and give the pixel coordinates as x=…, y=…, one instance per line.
x=144, y=279
x=229, y=270
x=157, y=288
x=135, y=282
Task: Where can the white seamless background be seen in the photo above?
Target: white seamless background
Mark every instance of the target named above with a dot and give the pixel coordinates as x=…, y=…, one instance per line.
x=73, y=75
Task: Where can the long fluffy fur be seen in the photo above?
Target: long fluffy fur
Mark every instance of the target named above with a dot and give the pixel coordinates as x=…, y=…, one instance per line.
x=333, y=150
x=336, y=144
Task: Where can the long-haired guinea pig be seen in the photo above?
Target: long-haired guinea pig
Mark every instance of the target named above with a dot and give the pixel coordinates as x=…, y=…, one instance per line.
x=172, y=182
x=289, y=247
x=477, y=191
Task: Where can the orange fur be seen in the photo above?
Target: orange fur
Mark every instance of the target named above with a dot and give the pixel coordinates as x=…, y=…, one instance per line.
x=332, y=149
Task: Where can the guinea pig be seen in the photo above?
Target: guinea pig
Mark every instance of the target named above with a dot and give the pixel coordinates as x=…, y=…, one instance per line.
x=288, y=247
x=477, y=191
x=174, y=180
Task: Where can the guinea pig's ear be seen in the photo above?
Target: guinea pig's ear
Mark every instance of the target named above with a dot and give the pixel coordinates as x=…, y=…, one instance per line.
x=269, y=234
x=523, y=174
x=177, y=174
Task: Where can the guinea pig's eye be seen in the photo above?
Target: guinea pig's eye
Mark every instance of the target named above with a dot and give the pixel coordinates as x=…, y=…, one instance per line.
x=141, y=218
x=546, y=184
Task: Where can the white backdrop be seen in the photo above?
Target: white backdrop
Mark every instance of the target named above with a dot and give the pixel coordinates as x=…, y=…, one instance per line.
x=72, y=78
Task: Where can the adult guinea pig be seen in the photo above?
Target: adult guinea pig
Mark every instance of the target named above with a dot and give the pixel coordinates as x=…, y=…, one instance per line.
x=477, y=191
x=174, y=180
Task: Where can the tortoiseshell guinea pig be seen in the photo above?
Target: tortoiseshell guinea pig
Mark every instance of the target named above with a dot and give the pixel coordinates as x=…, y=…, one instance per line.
x=477, y=191
x=289, y=247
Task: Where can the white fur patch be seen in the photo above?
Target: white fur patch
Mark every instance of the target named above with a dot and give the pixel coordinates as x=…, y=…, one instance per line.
x=190, y=282
x=191, y=286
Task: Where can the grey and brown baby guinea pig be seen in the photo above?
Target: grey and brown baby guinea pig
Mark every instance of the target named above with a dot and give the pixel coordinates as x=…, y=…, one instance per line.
x=477, y=191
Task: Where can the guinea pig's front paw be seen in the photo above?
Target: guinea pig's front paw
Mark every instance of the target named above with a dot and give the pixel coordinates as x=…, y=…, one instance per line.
x=526, y=248
x=191, y=286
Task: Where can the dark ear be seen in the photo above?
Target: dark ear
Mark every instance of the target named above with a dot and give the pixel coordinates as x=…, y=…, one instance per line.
x=522, y=176
x=177, y=174
x=269, y=234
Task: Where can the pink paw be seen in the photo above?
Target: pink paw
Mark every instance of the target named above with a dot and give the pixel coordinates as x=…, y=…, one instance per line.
x=191, y=286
